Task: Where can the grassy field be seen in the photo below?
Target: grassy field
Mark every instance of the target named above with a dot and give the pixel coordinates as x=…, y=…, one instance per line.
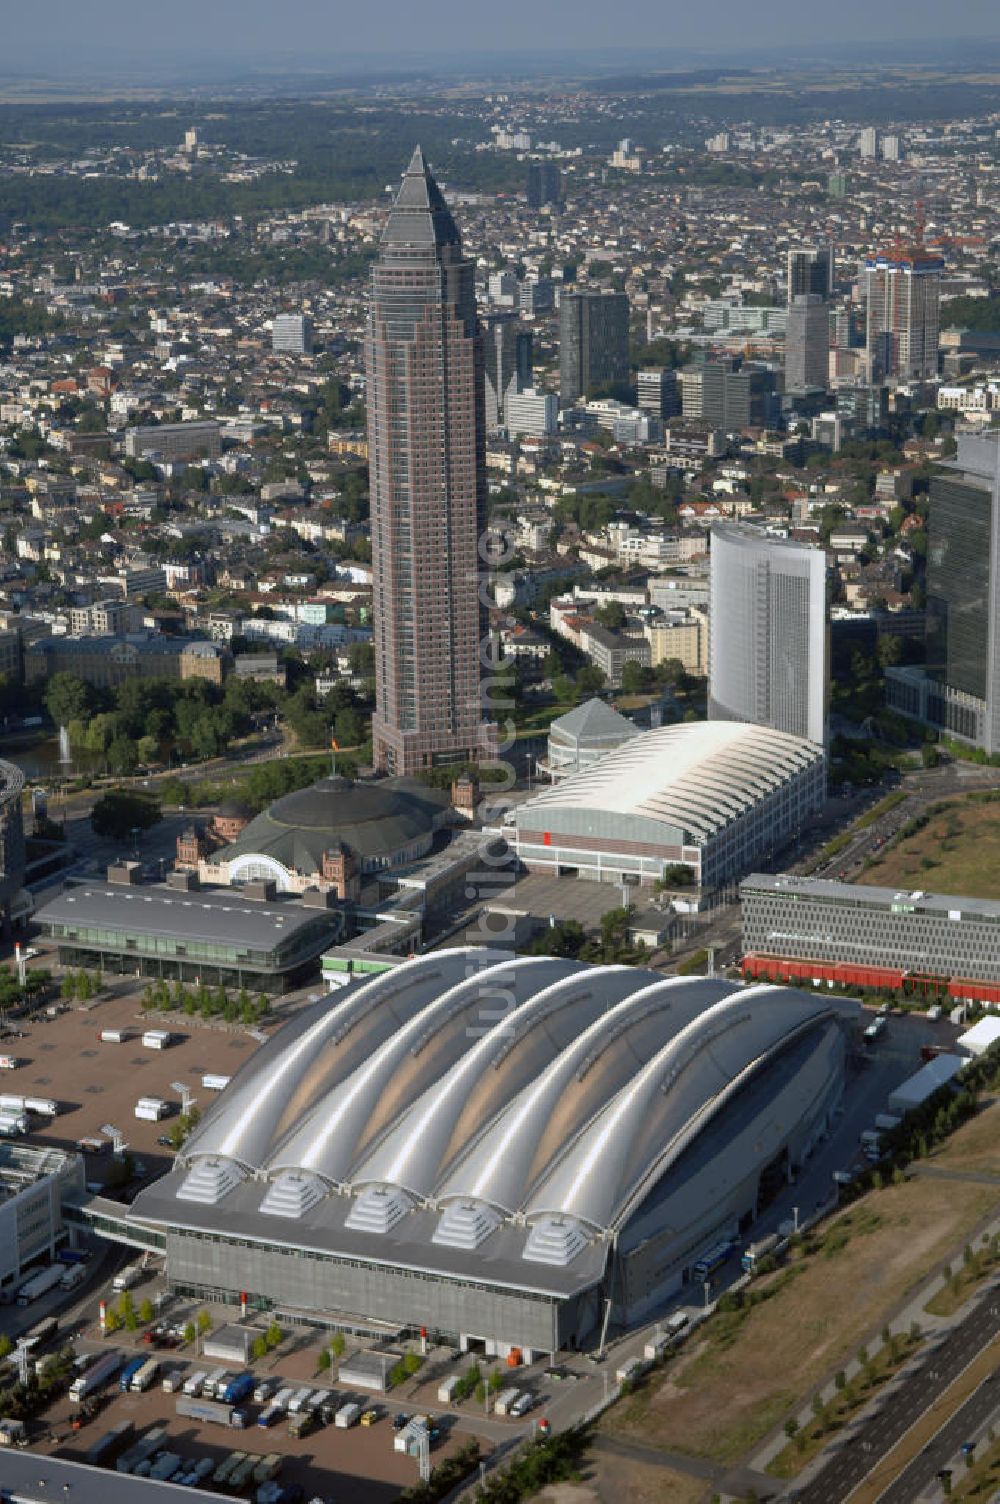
x=975, y=1146
x=724, y=1393
x=622, y=1480
x=957, y=851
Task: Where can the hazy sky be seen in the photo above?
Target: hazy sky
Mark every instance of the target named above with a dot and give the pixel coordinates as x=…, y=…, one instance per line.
x=322, y=30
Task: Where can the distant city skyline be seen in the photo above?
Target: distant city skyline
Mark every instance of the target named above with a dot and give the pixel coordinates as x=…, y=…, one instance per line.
x=299, y=33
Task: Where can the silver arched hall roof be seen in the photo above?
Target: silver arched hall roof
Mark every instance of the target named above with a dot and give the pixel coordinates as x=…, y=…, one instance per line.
x=696, y=777
x=474, y=1102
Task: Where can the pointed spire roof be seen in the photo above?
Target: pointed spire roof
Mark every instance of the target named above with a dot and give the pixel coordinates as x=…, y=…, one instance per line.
x=420, y=217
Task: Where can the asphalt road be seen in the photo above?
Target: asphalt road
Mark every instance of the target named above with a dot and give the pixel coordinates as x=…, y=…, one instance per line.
x=865, y=1444
x=961, y=1428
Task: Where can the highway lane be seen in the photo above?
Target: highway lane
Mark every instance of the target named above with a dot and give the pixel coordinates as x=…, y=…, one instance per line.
x=862, y=1445
x=962, y=1427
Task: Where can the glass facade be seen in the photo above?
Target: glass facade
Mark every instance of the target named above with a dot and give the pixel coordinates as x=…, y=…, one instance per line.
x=958, y=584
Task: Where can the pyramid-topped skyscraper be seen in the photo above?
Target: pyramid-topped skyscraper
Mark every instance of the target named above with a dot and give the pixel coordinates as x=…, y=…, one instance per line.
x=426, y=430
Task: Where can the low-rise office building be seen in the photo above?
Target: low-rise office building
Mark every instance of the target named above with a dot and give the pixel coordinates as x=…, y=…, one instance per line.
x=813, y=929
x=216, y=938
x=34, y=1184
x=175, y=441
x=107, y=661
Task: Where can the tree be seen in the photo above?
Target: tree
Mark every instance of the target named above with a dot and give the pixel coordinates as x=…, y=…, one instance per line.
x=119, y=813
x=323, y=1359
x=204, y=1322
x=273, y=1335
x=67, y=699
x=338, y=1344
x=112, y=1321
x=258, y=1348
x=146, y=1312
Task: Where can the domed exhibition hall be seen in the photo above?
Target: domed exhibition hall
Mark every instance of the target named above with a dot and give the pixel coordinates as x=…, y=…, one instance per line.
x=302, y=838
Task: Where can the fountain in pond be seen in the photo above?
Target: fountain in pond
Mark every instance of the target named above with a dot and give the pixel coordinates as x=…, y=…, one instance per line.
x=65, y=752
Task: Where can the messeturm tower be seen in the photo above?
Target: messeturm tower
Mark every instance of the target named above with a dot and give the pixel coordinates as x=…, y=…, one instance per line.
x=426, y=432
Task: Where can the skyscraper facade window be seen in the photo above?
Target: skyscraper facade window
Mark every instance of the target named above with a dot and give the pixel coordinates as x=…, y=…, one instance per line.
x=768, y=657
x=426, y=434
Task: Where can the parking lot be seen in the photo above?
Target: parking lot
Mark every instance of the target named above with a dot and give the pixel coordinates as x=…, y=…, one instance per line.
x=96, y=1083
x=357, y=1465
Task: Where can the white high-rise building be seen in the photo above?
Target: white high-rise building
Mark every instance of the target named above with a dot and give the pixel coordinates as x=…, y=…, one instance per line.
x=531, y=412
x=868, y=142
x=768, y=658
x=291, y=334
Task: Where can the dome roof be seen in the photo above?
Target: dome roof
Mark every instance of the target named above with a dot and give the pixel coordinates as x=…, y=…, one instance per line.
x=375, y=820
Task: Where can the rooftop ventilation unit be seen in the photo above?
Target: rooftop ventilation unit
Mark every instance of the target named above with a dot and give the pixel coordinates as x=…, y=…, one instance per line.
x=378, y=1209
x=209, y=1181
x=466, y=1224
x=292, y=1195
x=555, y=1240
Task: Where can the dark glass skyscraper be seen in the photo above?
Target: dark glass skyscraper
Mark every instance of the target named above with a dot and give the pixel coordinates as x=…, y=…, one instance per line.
x=426, y=434
x=963, y=593
x=544, y=185
x=593, y=343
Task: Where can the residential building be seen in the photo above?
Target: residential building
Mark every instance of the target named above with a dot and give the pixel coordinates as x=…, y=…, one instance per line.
x=427, y=438
x=768, y=652
x=593, y=343
x=682, y=635
x=610, y=651
x=807, y=343
x=868, y=143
